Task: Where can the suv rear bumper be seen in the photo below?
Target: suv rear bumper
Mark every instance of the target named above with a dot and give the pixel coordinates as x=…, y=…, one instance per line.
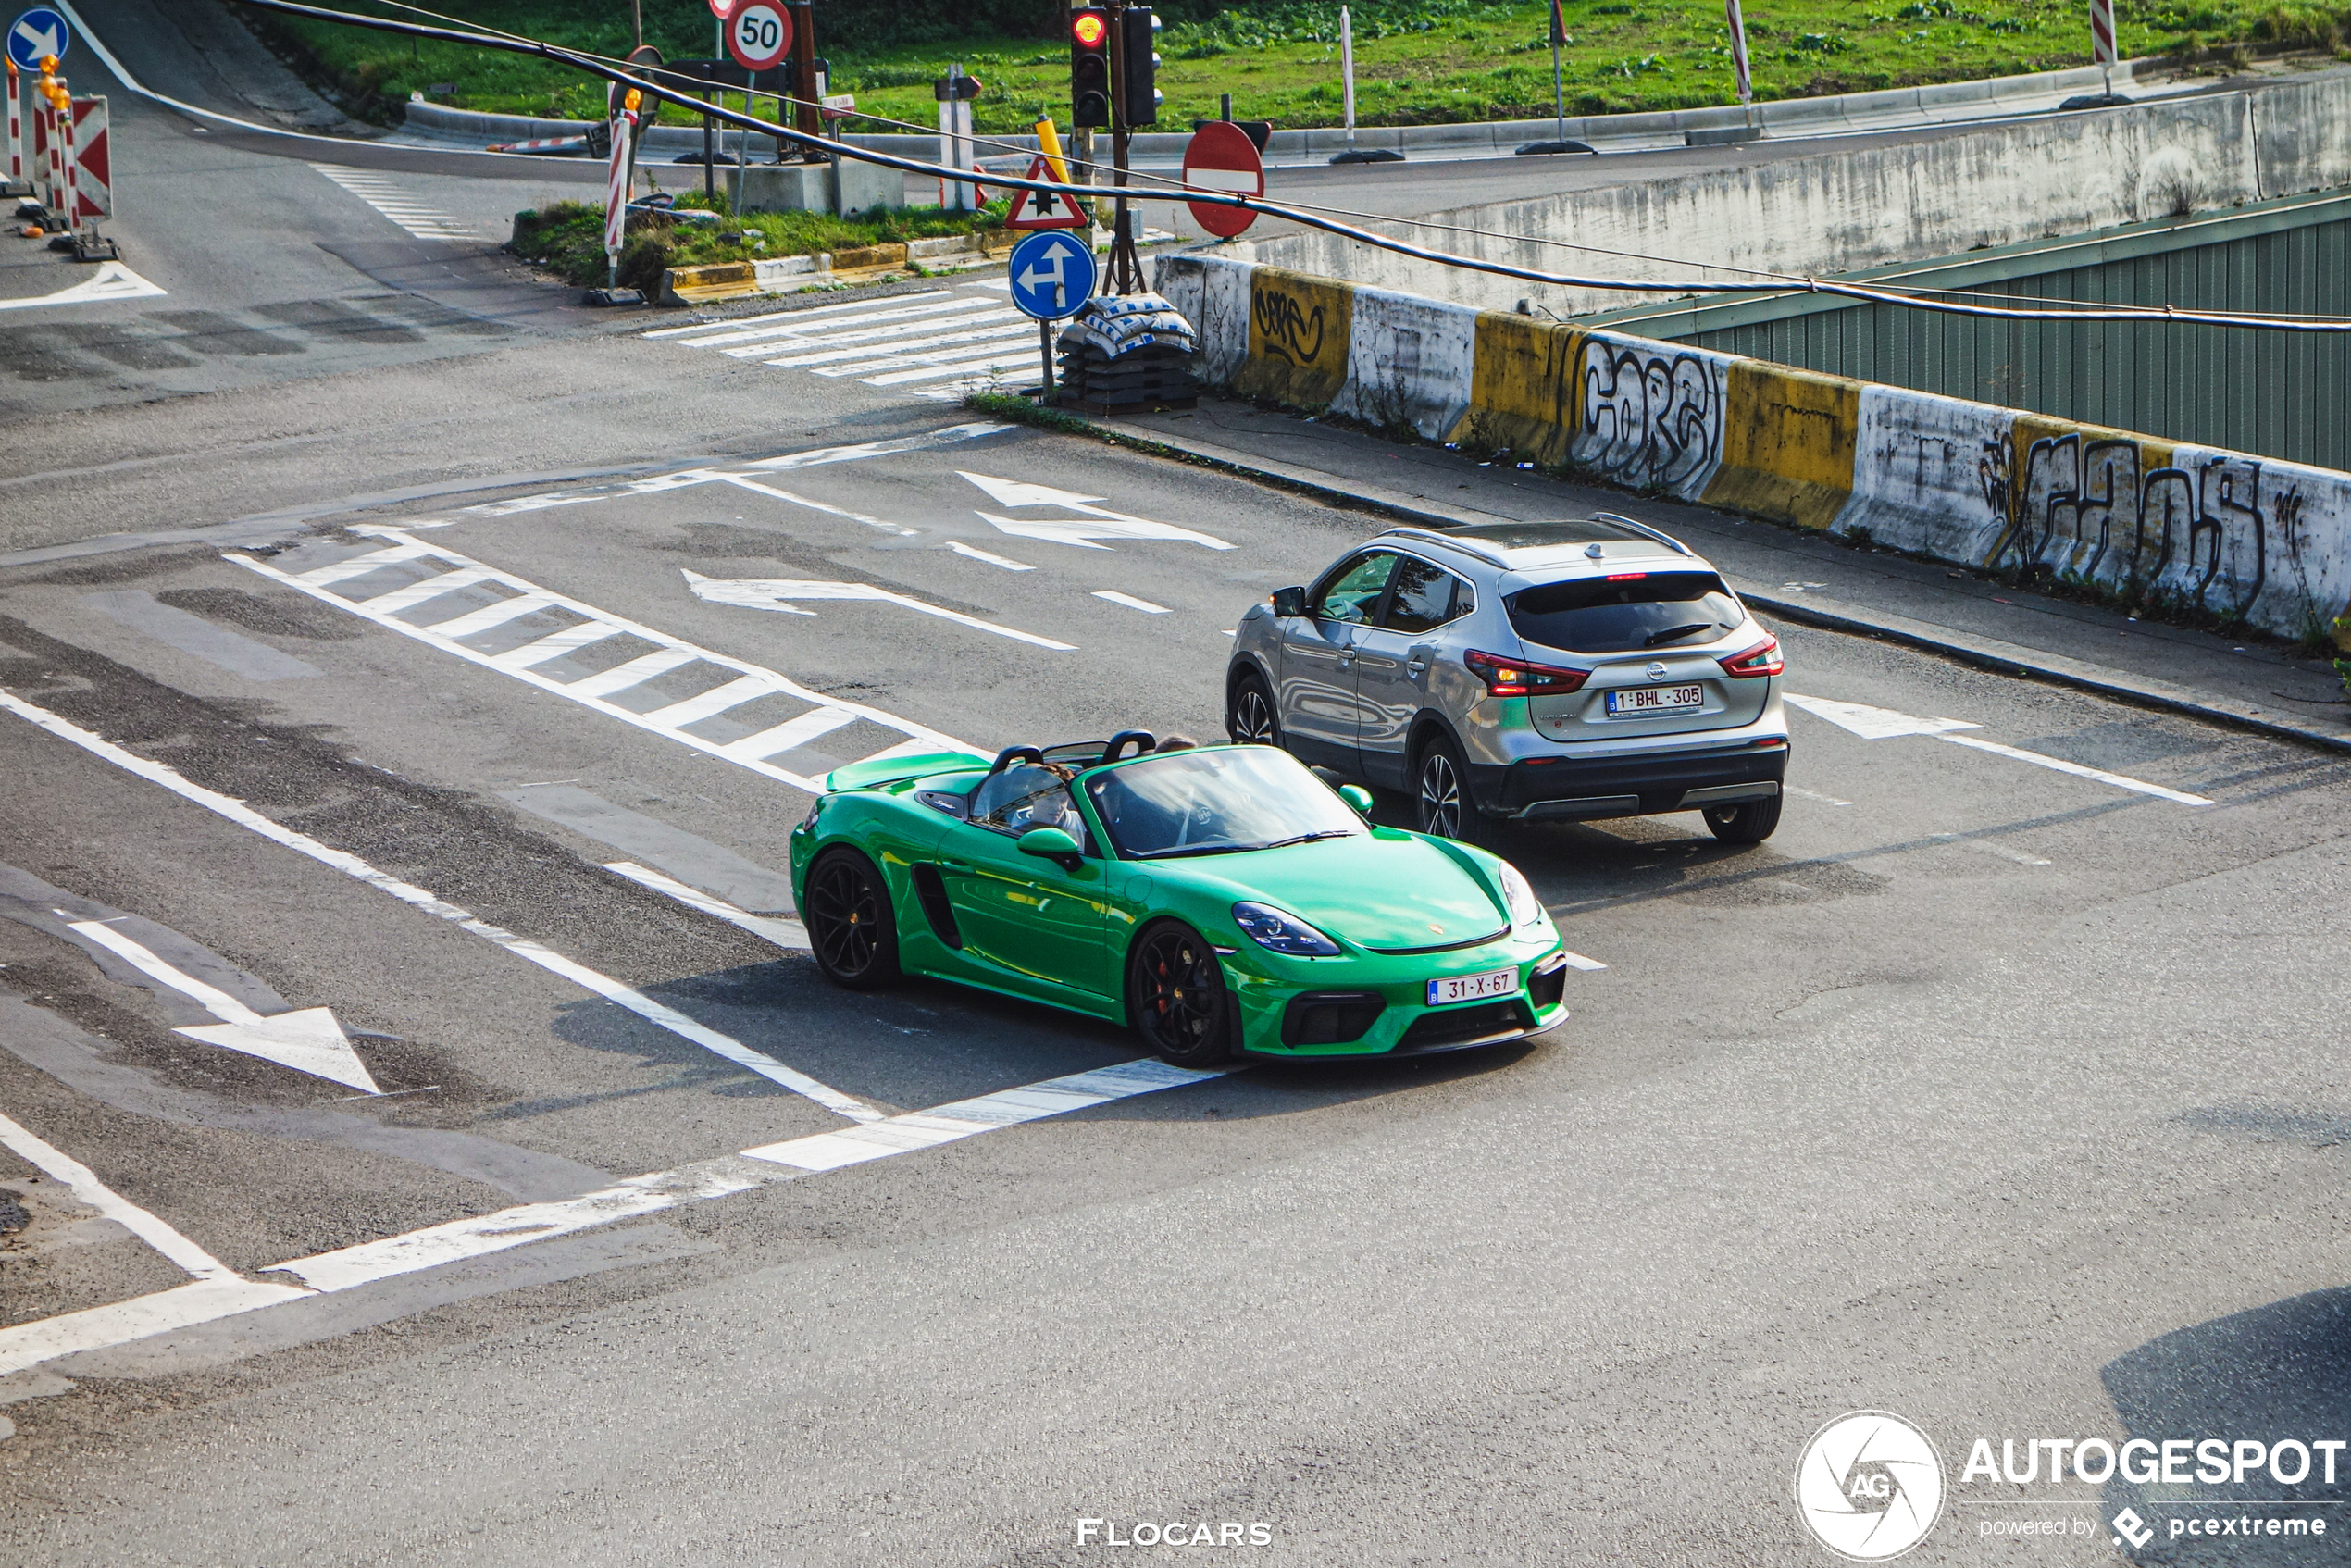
x=1578, y=788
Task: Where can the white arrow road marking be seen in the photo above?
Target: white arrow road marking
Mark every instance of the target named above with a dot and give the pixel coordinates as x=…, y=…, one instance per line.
x=1884, y=724
x=111, y=281
x=350, y=866
x=776, y=593
x=789, y=935
x=309, y=1041
x=1097, y=523
x=1875, y=724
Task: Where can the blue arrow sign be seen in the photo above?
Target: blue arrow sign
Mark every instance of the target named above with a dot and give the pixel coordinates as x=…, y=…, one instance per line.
x=39, y=31
x=1052, y=274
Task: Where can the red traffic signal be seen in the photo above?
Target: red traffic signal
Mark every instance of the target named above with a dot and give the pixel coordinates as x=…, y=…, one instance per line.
x=1089, y=67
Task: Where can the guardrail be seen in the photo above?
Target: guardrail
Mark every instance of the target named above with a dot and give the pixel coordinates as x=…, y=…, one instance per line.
x=2246, y=538
x=1499, y=137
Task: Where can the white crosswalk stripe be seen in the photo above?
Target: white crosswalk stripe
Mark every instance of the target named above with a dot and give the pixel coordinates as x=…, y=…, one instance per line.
x=933, y=344
x=751, y=705
x=396, y=204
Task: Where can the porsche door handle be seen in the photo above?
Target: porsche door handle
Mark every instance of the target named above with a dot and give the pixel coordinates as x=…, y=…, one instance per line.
x=953, y=865
x=1416, y=667
x=1346, y=661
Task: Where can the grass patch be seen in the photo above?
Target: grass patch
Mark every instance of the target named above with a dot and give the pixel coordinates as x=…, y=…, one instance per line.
x=1417, y=62
x=568, y=238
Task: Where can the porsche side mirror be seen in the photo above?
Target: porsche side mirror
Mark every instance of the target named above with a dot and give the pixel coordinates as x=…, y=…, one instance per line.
x=1052, y=844
x=1357, y=797
x=1288, y=602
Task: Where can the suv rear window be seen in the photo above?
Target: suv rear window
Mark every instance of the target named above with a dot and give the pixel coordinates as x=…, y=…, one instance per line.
x=1625, y=612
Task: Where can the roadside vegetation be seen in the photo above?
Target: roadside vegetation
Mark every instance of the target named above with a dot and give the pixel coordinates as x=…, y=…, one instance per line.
x=1417, y=62
x=568, y=238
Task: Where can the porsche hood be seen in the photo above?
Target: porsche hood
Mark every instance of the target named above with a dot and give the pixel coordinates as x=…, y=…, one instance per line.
x=1385, y=890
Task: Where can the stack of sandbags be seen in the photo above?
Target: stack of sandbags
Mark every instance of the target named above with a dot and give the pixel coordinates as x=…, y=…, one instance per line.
x=1124, y=353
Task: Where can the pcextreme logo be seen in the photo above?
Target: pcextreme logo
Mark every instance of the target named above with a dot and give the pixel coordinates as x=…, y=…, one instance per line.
x=1868, y=1486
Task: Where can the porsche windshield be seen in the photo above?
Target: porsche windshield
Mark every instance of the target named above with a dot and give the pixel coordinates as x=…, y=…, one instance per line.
x=1217, y=802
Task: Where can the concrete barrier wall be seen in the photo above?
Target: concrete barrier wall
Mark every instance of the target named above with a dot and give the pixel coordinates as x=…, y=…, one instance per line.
x=1998, y=185
x=2246, y=538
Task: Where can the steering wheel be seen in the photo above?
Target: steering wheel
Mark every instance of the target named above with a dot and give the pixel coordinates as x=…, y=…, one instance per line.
x=1144, y=740
x=1011, y=755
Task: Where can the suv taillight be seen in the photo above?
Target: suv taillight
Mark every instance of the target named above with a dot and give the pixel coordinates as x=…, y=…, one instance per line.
x=1515, y=677
x=1762, y=659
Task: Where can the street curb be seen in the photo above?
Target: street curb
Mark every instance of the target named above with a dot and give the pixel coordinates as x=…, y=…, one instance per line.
x=1989, y=653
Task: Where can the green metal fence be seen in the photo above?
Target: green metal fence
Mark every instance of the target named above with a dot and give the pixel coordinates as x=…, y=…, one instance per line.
x=2279, y=394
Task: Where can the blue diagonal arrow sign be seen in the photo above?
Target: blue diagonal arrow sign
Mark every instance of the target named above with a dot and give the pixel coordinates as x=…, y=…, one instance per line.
x=1052, y=274
x=38, y=32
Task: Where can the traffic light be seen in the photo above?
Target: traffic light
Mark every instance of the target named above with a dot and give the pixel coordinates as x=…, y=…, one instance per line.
x=1089, y=67
x=1138, y=56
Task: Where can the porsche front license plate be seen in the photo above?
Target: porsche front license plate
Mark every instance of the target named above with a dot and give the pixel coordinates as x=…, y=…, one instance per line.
x=1654, y=700
x=1473, y=988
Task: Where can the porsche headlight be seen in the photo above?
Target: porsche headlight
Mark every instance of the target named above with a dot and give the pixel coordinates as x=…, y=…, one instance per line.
x=1525, y=908
x=1278, y=932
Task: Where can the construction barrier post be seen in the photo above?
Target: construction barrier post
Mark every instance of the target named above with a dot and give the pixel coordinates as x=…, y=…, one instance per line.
x=15, y=127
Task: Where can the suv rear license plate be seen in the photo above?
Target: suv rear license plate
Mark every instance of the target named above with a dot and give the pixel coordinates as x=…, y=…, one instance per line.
x=1473, y=987
x=1654, y=700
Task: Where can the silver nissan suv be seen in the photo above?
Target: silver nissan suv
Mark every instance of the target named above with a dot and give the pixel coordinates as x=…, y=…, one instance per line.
x=1536, y=671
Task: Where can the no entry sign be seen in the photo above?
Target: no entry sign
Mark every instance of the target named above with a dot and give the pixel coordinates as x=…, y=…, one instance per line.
x=1220, y=157
x=758, y=34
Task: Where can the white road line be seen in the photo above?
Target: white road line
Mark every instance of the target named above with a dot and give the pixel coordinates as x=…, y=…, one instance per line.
x=1812, y=795
x=435, y=1245
x=184, y=1254
x=207, y=1301
x=970, y=368
x=1986, y=846
x=1884, y=724
x=1131, y=601
x=2120, y=781
x=496, y=615
x=809, y=314
x=789, y=935
x=353, y=866
x=591, y=691
x=786, y=594
x=360, y=565
x=965, y=313
x=846, y=329
x=863, y=450
x=744, y=482
x=213, y=1000
x=960, y=548
x=711, y=703
x=996, y=330
x=111, y=281
x=790, y=735
x=395, y=204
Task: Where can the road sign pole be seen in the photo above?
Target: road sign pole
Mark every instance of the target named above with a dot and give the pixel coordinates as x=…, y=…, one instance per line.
x=1124, y=268
x=1045, y=351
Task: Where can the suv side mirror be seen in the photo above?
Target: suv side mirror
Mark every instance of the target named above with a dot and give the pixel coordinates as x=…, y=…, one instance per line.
x=1289, y=601
x=1052, y=844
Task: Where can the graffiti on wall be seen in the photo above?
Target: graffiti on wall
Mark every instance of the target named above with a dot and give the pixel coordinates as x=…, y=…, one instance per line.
x=1289, y=328
x=1651, y=415
x=2139, y=516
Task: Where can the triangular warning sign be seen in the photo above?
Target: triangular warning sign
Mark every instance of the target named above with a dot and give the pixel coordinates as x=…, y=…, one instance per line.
x=1053, y=210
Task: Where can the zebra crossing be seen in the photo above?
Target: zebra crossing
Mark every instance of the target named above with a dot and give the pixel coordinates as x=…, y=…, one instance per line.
x=934, y=344
x=752, y=717
x=390, y=199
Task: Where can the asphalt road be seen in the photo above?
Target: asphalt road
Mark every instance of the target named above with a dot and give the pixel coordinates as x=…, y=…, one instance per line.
x=1988, y=1091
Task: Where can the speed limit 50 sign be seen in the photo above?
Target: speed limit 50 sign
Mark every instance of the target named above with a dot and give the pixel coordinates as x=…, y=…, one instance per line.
x=758, y=34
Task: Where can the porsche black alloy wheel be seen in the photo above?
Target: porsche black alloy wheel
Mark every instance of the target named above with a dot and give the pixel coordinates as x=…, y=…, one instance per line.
x=1248, y=718
x=849, y=923
x=1178, y=990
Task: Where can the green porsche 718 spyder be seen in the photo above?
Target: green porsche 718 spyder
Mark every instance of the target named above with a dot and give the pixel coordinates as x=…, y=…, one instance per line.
x=1222, y=899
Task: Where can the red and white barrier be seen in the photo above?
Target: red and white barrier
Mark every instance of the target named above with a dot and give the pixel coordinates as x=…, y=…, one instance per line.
x=616, y=187
x=16, y=125
x=48, y=140
x=90, y=155
x=543, y=145
x=68, y=186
